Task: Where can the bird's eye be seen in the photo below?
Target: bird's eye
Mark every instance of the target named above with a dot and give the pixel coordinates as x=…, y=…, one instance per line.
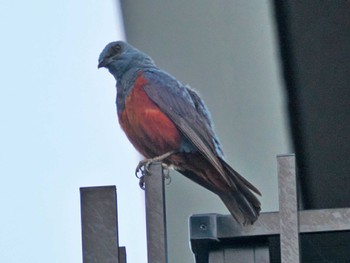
x=116, y=48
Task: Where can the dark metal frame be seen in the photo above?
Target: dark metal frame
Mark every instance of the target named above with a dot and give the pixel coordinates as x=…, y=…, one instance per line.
x=218, y=238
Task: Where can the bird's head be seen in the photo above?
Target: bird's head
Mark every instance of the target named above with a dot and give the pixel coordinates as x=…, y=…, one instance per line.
x=118, y=57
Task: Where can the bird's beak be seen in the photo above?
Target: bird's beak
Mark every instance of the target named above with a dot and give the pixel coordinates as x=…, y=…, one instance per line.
x=103, y=63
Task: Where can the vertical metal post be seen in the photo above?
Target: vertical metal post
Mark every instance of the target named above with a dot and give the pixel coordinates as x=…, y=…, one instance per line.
x=99, y=224
x=122, y=255
x=156, y=215
x=288, y=209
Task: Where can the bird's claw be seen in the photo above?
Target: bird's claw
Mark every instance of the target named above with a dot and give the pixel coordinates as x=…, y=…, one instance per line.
x=142, y=182
x=143, y=169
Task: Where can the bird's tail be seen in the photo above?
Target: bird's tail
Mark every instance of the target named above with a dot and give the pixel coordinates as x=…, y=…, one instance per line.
x=241, y=201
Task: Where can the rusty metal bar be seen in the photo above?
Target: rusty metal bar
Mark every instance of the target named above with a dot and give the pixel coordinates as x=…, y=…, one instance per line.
x=288, y=209
x=155, y=215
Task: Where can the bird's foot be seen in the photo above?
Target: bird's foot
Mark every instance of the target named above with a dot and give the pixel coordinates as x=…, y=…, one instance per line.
x=143, y=166
x=166, y=176
x=142, y=169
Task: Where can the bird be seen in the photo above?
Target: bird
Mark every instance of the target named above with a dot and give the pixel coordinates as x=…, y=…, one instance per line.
x=168, y=122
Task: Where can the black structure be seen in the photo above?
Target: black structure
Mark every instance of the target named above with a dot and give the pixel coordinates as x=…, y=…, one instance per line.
x=315, y=47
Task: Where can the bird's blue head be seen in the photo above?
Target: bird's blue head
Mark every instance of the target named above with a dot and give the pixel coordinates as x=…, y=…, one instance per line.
x=119, y=57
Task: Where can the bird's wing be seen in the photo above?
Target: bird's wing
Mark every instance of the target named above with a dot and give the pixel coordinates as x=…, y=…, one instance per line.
x=204, y=112
x=184, y=107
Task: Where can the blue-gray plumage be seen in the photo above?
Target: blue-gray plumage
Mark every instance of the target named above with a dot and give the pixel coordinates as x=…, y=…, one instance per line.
x=169, y=122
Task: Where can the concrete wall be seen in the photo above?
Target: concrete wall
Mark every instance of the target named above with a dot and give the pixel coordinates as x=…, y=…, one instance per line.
x=227, y=51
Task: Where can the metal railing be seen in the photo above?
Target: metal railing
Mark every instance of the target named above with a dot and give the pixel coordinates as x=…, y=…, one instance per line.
x=219, y=239
x=100, y=221
x=214, y=238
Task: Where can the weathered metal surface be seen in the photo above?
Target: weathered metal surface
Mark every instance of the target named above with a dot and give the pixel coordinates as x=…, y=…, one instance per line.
x=155, y=215
x=245, y=254
x=208, y=230
x=224, y=226
x=122, y=255
x=262, y=254
x=310, y=221
x=288, y=209
x=99, y=224
x=324, y=220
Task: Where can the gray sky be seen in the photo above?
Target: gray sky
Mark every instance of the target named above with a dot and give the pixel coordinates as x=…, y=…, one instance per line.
x=59, y=130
